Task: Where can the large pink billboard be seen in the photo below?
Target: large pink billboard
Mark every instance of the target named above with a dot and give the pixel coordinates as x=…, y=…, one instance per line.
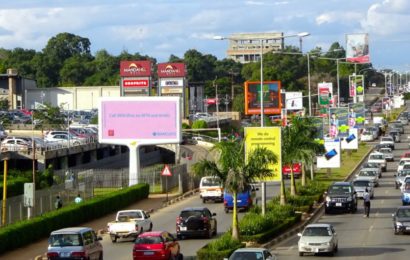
x=145, y=120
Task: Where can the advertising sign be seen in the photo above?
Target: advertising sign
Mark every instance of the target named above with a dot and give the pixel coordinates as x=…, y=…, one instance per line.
x=356, y=85
x=351, y=142
x=171, y=91
x=171, y=82
x=140, y=120
x=140, y=68
x=357, y=48
x=294, y=100
x=317, y=122
x=325, y=92
x=338, y=122
x=271, y=98
x=28, y=194
x=331, y=157
x=357, y=115
x=171, y=70
x=135, y=83
x=269, y=137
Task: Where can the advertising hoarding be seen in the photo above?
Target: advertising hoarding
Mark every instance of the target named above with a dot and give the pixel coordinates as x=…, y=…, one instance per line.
x=325, y=92
x=140, y=68
x=179, y=82
x=135, y=83
x=317, y=123
x=271, y=98
x=170, y=70
x=141, y=120
x=269, y=137
x=351, y=142
x=331, y=157
x=294, y=100
x=357, y=48
x=357, y=115
x=338, y=122
x=356, y=85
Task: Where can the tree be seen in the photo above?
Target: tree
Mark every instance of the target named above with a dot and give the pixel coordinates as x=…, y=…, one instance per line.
x=298, y=145
x=236, y=173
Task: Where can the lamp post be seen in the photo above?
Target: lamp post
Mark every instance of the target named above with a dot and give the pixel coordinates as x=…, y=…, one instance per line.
x=300, y=35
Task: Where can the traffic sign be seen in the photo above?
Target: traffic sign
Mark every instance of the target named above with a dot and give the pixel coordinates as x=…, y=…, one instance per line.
x=166, y=171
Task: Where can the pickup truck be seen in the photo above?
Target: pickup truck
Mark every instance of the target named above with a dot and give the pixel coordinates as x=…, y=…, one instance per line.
x=129, y=223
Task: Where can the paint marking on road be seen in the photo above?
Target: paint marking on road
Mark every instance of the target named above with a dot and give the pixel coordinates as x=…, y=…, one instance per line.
x=371, y=228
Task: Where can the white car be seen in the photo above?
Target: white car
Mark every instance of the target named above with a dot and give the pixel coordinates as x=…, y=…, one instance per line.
x=367, y=135
x=388, y=153
x=64, y=139
x=377, y=157
x=318, y=238
x=387, y=140
x=403, y=161
x=368, y=174
x=15, y=144
x=211, y=188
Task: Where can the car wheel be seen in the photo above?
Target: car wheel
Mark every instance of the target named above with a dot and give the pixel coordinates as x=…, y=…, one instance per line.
x=226, y=210
x=396, y=232
x=114, y=239
x=300, y=253
x=331, y=253
x=336, y=248
x=150, y=227
x=179, y=237
x=327, y=211
x=215, y=230
x=210, y=232
x=203, y=200
x=101, y=257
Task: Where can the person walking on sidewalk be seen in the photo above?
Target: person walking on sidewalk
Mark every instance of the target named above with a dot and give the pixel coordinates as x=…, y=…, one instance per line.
x=366, y=203
x=58, y=203
x=78, y=199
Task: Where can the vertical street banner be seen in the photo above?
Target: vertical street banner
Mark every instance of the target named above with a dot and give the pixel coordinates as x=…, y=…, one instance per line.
x=357, y=48
x=356, y=86
x=325, y=92
x=269, y=137
x=331, y=157
x=351, y=142
x=317, y=123
x=338, y=122
x=357, y=115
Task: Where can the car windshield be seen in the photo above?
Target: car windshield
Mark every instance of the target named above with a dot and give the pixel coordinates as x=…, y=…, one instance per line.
x=376, y=157
x=402, y=162
x=367, y=173
x=403, y=213
x=148, y=240
x=63, y=240
x=406, y=167
x=336, y=189
x=384, y=150
x=317, y=231
x=246, y=256
x=370, y=165
x=387, y=139
x=361, y=183
x=403, y=173
x=211, y=182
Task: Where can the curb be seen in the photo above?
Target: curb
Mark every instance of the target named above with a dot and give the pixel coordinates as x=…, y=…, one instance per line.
x=317, y=212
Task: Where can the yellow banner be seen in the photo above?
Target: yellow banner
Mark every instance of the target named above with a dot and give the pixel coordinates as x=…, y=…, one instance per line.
x=269, y=137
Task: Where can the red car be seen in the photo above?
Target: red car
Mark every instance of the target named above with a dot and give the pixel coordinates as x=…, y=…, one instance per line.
x=156, y=245
x=406, y=155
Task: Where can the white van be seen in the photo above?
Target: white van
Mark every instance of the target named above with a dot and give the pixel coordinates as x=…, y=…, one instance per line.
x=211, y=188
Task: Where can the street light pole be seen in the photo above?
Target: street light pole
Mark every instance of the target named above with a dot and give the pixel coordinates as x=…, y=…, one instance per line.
x=309, y=87
x=338, y=82
x=262, y=119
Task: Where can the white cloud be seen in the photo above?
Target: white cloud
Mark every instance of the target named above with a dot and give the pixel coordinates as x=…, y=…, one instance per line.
x=351, y=17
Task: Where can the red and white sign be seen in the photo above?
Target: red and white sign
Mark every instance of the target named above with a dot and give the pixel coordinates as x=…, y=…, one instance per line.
x=135, y=68
x=166, y=171
x=135, y=83
x=167, y=70
x=297, y=169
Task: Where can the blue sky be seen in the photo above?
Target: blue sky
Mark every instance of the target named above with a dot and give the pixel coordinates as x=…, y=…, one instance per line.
x=159, y=28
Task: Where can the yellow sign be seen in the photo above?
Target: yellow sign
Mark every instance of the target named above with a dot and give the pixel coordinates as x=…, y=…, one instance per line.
x=269, y=137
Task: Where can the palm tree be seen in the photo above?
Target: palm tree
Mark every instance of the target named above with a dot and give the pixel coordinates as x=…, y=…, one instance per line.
x=298, y=145
x=235, y=172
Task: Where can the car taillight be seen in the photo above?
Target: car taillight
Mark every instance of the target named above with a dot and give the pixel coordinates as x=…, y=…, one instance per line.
x=179, y=220
x=225, y=202
x=205, y=219
x=78, y=254
x=52, y=254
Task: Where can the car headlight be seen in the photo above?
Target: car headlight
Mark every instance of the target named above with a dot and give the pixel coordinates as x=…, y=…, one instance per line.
x=399, y=224
x=302, y=244
x=327, y=243
x=328, y=199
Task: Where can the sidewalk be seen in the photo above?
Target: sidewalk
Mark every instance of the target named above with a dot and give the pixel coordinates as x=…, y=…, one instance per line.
x=152, y=204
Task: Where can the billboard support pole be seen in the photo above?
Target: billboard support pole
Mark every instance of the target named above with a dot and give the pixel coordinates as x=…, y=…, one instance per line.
x=134, y=164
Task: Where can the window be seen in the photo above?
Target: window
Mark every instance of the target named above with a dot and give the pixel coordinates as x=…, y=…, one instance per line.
x=88, y=238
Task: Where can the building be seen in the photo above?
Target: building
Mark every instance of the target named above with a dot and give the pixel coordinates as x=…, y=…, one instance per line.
x=13, y=88
x=246, y=47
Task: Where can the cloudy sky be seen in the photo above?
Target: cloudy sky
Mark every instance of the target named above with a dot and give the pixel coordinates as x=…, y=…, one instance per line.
x=159, y=28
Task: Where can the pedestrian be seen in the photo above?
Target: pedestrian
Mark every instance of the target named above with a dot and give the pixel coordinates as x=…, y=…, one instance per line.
x=78, y=199
x=366, y=203
x=58, y=203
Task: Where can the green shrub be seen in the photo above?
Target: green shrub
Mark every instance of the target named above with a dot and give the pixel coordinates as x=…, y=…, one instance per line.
x=15, y=186
x=254, y=223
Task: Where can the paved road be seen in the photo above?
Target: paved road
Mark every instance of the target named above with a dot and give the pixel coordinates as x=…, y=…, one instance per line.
x=365, y=238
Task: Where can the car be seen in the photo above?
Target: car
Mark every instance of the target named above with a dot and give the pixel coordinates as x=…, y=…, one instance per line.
x=398, y=125
x=244, y=200
x=405, y=183
x=402, y=162
x=156, y=245
x=376, y=130
x=400, y=176
x=373, y=166
x=74, y=243
x=406, y=155
x=3, y=133
x=368, y=174
x=388, y=141
x=367, y=135
x=360, y=186
x=318, y=238
x=395, y=133
x=15, y=144
x=405, y=194
x=258, y=253
x=211, y=188
x=65, y=139
x=341, y=196
x=403, y=119
x=401, y=220
x=196, y=221
x=377, y=157
x=388, y=154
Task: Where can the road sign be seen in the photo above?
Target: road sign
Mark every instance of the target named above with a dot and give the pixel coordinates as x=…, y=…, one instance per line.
x=166, y=171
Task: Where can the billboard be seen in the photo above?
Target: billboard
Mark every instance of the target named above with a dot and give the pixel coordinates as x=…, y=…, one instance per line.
x=269, y=137
x=331, y=157
x=338, y=122
x=317, y=123
x=140, y=120
x=325, y=92
x=135, y=83
x=140, y=68
x=171, y=70
x=351, y=142
x=357, y=115
x=356, y=85
x=271, y=98
x=357, y=48
x=294, y=101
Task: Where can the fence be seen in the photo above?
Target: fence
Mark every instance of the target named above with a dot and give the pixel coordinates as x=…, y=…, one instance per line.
x=94, y=182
